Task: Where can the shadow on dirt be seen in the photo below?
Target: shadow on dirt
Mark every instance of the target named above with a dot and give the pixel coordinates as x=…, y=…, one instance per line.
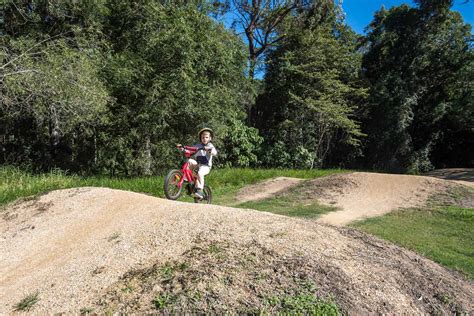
x=464, y=174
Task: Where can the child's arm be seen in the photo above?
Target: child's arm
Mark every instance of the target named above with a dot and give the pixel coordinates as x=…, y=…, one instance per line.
x=211, y=149
x=191, y=149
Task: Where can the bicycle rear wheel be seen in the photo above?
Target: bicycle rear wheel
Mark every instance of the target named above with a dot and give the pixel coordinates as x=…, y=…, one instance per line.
x=207, y=196
x=171, y=188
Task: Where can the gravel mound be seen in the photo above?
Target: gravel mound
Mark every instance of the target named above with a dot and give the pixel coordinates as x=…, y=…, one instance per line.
x=85, y=249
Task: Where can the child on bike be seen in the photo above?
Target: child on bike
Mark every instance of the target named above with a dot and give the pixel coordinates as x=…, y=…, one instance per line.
x=203, y=162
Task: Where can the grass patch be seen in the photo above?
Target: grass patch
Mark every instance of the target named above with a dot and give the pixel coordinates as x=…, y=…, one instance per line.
x=290, y=203
x=162, y=301
x=288, y=207
x=86, y=310
x=443, y=234
x=301, y=301
x=226, y=182
x=301, y=304
x=15, y=183
x=27, y=302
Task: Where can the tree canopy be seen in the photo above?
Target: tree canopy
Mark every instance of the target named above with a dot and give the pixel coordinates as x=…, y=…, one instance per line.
x=413, y=61
x=111, y=86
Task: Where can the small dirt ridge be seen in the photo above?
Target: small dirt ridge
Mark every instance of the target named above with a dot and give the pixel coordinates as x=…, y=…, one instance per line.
x=266, y=189
x=362, y=195
x=372, y=194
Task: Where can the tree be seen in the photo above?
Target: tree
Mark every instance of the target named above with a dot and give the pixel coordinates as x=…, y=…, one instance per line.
x=240, y=145
x=115, y=83
x=456, y=141
x=177, y=70
x=50, y=81
x=413, y=55
x=312, y=92
x=263, y=24
x=260, y=21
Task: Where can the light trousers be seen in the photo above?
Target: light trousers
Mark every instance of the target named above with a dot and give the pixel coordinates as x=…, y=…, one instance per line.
x=201, y=171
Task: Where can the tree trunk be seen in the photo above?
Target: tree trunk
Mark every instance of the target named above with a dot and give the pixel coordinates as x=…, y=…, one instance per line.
x=147, y=157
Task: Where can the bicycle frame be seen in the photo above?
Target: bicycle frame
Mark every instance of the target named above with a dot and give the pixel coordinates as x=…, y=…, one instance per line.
x=185, y=170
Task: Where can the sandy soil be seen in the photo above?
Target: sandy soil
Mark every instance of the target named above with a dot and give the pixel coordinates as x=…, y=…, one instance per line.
x=266, y=189
x=362, y=195
x=374, y=194
x=72, y=247
x=459, y=175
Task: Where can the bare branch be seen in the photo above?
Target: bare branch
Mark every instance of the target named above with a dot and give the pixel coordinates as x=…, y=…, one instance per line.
x=17, y=72
x=260, y=19
x=31, y=48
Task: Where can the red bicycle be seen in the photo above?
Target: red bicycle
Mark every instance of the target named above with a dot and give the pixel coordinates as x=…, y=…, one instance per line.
x=177, y=179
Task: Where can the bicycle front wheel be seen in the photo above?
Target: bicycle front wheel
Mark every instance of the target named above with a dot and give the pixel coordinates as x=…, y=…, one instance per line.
x=171, y=188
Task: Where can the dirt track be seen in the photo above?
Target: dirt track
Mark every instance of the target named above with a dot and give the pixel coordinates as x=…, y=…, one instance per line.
x=73, y=246
x=374, y=194
x=463, y=176
x=361, y=195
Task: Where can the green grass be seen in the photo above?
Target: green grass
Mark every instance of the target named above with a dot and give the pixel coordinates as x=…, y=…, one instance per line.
x=162, y=301
x=226, y=182
x=301, y=302
x=290, y=203
x=443, y=234
x=27, y=302
x=288, y=207
x=15, y=183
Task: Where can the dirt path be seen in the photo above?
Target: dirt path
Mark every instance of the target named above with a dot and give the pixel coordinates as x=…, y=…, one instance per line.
x=361, y=195
x=73, y=246
x=375, y=194
x=266, y=189
x=459, y=175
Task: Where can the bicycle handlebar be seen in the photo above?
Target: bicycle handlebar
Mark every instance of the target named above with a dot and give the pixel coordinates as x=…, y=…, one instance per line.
x=184, y=148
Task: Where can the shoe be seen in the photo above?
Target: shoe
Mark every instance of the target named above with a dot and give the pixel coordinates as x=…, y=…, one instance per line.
x=199, y=194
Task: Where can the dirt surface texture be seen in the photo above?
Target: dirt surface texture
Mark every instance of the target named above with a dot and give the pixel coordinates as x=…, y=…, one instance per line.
x=104, y=250
x=266, y=189
x=362, y=195
x=460, y=175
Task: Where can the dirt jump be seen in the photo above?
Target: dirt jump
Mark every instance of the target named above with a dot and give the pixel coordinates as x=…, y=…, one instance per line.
x=361, y=195
x=101, y=250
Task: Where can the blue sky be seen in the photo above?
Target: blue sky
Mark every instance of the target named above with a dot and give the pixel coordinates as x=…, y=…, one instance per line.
x=359, y=13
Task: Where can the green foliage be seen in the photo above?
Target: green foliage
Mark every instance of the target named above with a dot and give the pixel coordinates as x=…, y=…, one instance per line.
x=37, y=18
x=53, y=88
x=413, y=57
x=301, y=301
x=27, y=302
x=308, y=107
x=240, y=145
x=109, y=86
x=456, y=127
x=162, y=301
x=180, y=70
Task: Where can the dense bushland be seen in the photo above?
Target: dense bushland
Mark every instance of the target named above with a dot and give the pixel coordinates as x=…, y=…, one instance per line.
x=108, y=87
